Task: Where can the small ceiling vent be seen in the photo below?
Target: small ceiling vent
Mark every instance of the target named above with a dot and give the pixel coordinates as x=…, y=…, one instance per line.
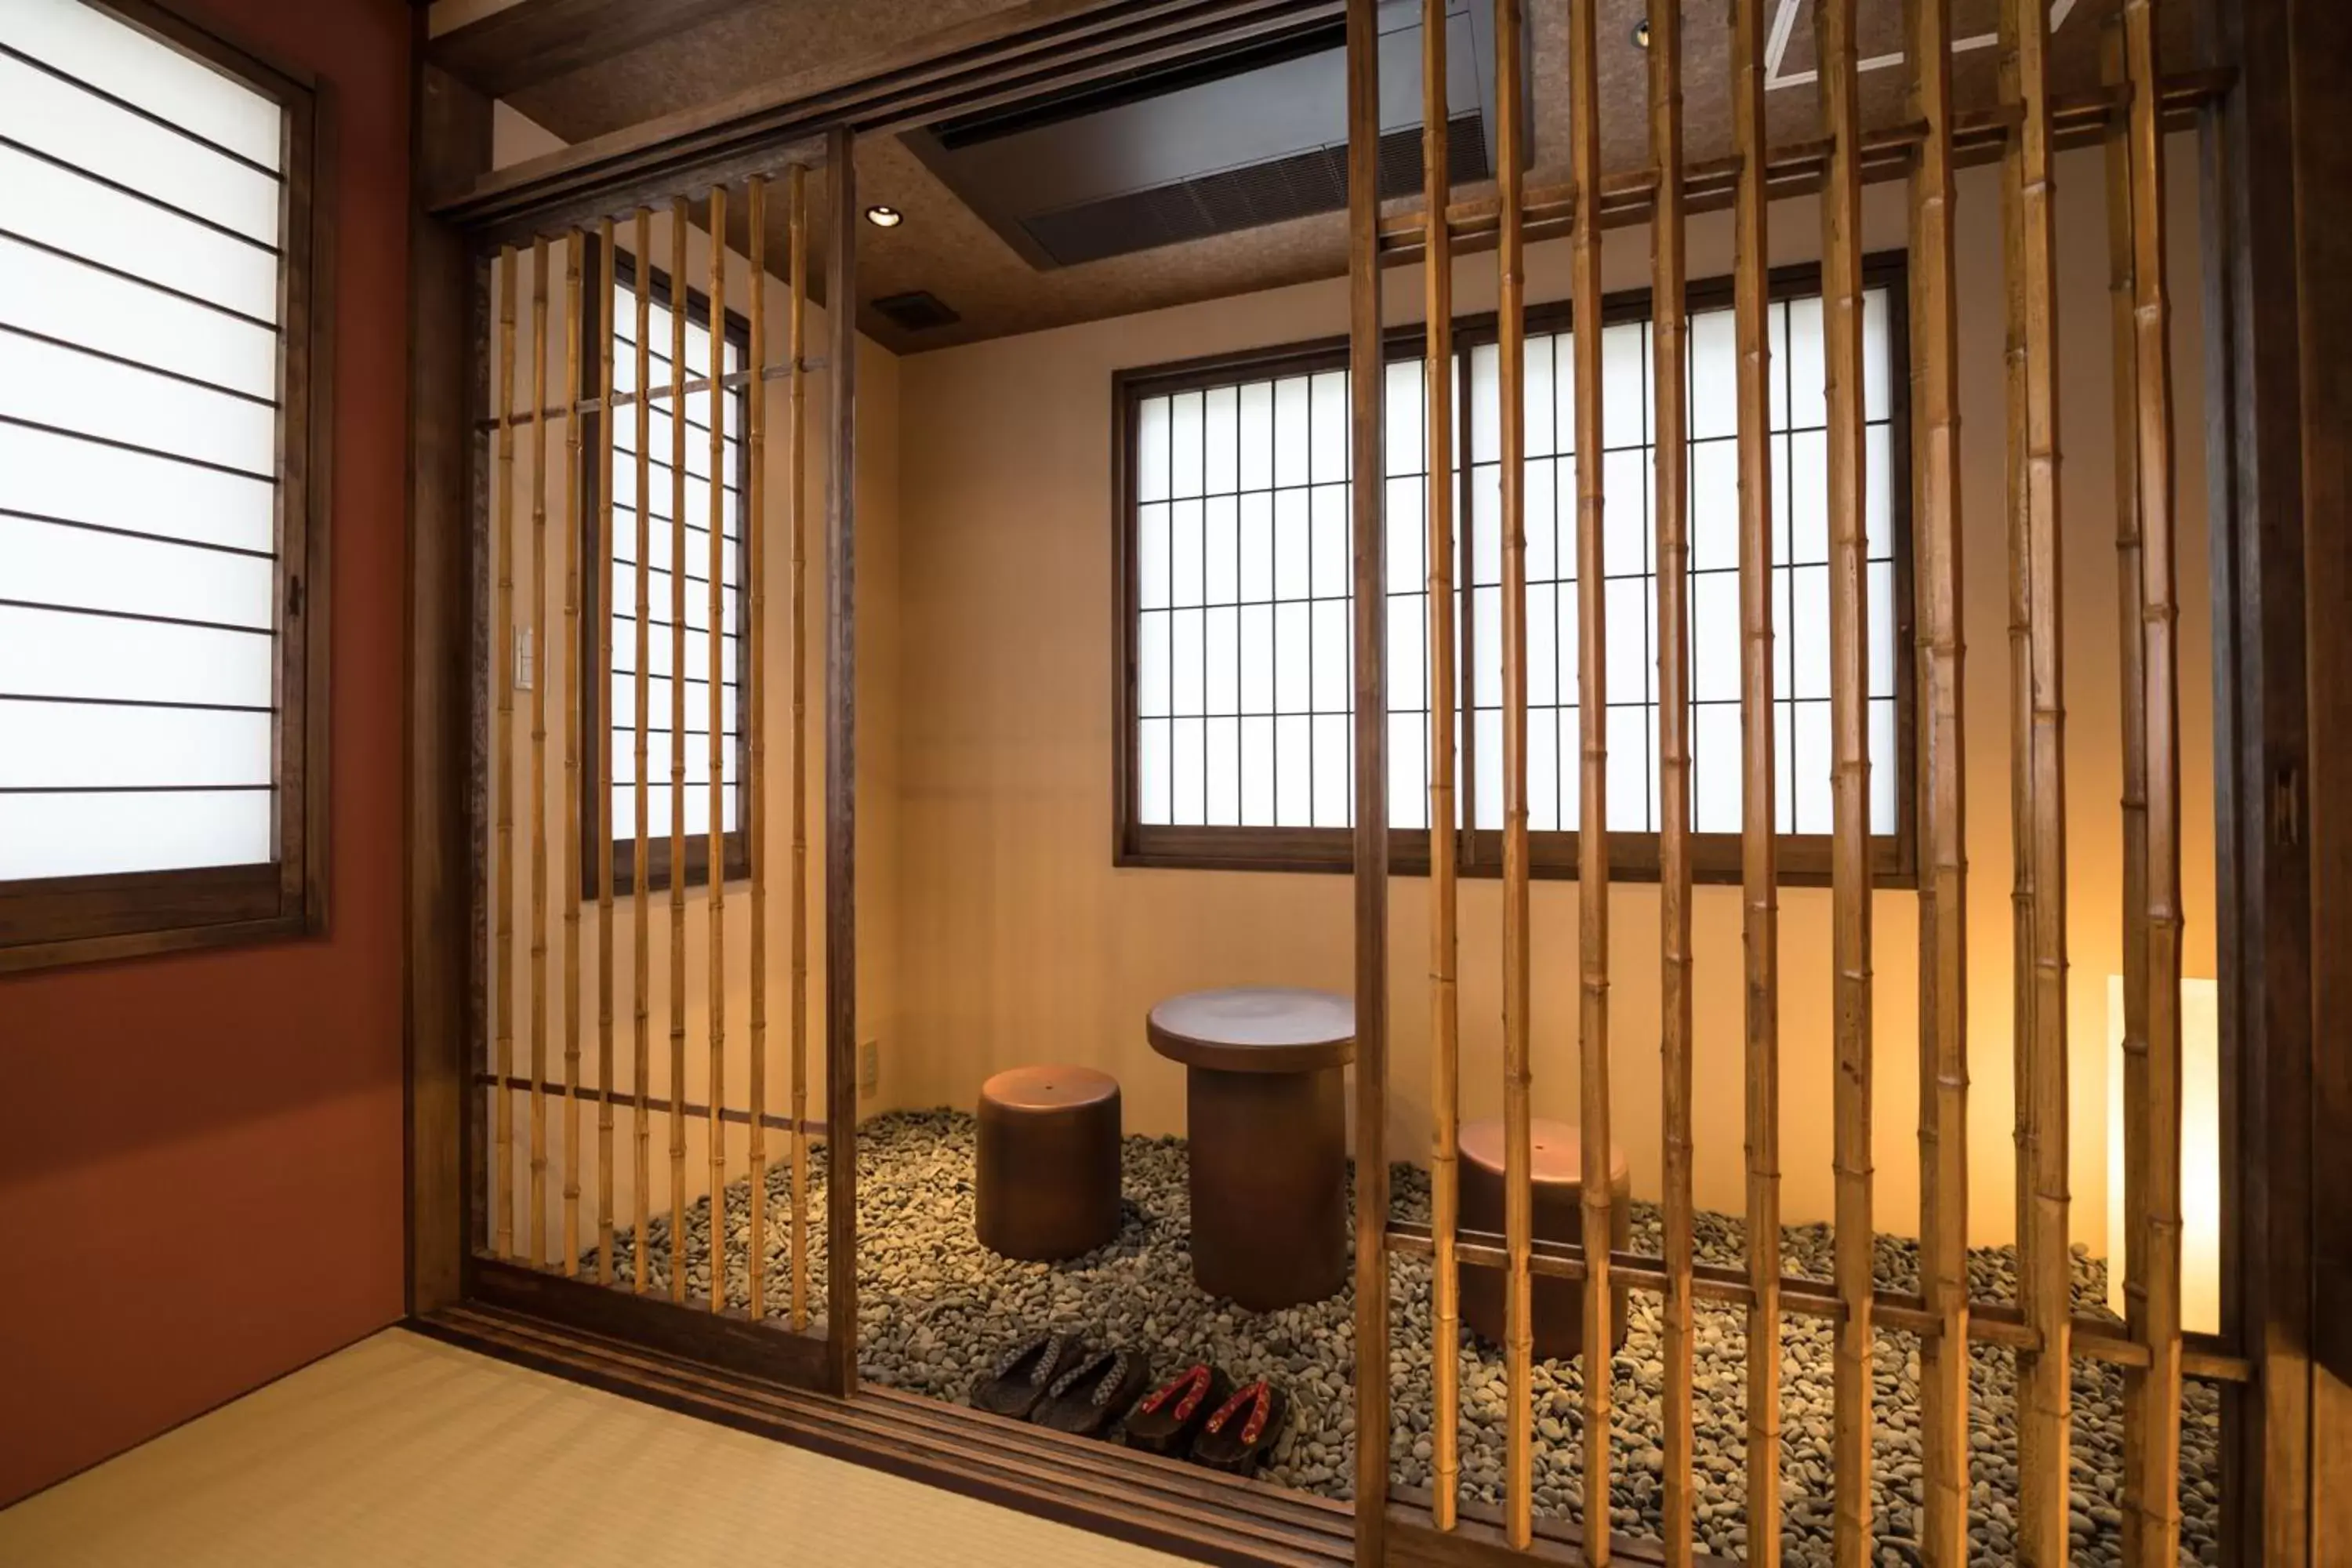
x=1298, y=186
x=918, y=311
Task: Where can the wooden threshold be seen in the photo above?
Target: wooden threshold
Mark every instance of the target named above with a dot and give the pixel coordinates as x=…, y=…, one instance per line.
x=1164, y=1504
x=1478, y=1538
x=727, y=1340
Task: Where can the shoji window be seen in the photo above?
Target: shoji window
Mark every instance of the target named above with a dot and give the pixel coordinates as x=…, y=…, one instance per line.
x=162, y=700
x=1234, y=685
x=723, y=553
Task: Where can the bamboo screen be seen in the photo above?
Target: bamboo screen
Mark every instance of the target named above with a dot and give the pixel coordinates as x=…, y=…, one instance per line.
x=650, y=913
x=2041, y=1327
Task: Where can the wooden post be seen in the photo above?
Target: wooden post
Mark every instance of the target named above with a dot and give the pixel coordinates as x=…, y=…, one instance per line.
x=2151, y=1489
x=715, y=642
x=1943, y=899
x=1759, y=846
x=841, y=774
x=1833, y=22
x=569, y=859
x=1671, y=434
x=1518, y=1332
x=1593, y=820
x=1444, y=933
x=641, y=908
x=2131, y=665
x=539, y=752
x=2045, y=1265
x=1367, y=380
x=797, y=514
x=677, y=306
x=750, y=702
x=503, y=680
x=602, y=566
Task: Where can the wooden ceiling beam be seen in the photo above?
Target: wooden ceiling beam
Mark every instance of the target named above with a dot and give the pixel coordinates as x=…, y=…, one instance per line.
x=534, y=41
x=1002, y=58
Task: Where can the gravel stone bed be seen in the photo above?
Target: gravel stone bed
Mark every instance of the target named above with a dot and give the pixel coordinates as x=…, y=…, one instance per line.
x=936, y=1309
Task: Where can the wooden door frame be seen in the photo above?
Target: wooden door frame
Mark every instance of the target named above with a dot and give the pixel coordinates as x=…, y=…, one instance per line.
x=2277, y=329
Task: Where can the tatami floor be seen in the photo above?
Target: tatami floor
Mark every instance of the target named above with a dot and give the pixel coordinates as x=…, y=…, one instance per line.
x=404, y=1450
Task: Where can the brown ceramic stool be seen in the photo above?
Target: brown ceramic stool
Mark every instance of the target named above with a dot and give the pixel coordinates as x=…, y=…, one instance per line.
x=1266, y=1113
x=1047, y=1183
x=1556, y=1162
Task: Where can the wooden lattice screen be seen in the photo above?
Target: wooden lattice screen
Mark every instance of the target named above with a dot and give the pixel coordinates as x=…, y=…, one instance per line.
x=664, y=417
x=2042, y=1327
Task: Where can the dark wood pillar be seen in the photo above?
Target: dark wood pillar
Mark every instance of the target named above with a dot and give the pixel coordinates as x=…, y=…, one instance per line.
x=449, y=147
x=2277, y=402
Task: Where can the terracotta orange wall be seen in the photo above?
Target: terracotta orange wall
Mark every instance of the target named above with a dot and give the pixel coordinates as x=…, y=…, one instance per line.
x=1020, y=942
x=201, y=1156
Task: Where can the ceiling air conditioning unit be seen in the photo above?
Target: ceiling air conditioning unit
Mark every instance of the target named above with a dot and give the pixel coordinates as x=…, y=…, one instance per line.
x=1234, y=138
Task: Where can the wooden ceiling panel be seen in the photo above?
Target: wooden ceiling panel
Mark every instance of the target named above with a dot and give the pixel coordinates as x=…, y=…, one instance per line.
x=947, y=249
x=748, y=42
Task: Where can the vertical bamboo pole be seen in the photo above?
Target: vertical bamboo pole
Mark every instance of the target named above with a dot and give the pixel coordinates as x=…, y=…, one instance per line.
x=539, y=752
x=796, y=522
x=752, y=702
x=2151, y=1490
x=1593, y=715
x=569, y=857
x=2020, y=668
x=1943, y=904
x=677, y=311
x=1834, y=23
x=1671, y=434
x=1758, y=847
x=2131, y=663
x=1367, y=382
x=602, y=740
x=1444, y=932
x=717, y=675
x=1518, y=1331
x=2045, y=1269
x=502, y=677
x=640, y=910
x=841, y=771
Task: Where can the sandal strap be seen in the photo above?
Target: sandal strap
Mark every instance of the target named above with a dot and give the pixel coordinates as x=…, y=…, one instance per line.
x=1194, y=1379
x=1256, y=1422
x=1012, y=1358
x=1056, y=1347
x=1112, y=1379
x=1078, y=1374
x=1231, y=1407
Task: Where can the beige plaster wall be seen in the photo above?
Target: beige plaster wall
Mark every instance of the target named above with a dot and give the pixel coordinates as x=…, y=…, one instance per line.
x=1020, y=942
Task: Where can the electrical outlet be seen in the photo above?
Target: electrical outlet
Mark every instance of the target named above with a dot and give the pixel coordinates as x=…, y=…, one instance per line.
x=869, y=1065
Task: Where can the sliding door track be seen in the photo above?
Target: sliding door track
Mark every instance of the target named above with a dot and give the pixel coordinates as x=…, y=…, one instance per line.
x=1165, y=1504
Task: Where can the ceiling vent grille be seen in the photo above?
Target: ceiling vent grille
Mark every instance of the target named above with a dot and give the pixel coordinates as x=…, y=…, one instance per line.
x=1299, y=185
x=918, y=311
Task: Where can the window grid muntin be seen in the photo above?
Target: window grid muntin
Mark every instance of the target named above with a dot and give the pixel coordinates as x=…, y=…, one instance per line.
x=1804, y=857
x=614, y=714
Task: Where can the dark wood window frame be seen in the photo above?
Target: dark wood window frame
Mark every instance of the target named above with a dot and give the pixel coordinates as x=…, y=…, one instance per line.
x=593, y=611
x=56, y=921
x=1804, y=859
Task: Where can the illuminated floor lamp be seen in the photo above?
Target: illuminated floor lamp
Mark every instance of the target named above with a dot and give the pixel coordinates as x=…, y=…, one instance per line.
x=2200, y=1152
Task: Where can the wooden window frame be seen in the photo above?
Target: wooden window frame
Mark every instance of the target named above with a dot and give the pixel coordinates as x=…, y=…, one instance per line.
x=1804, y=859
x=49, y=921
x=593, y=611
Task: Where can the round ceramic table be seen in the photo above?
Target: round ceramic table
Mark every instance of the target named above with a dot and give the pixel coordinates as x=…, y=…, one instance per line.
x=1266, y=1115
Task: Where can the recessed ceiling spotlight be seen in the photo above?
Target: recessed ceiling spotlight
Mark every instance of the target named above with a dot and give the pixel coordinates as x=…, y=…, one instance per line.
x=885, y=218
x=1642, y=34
